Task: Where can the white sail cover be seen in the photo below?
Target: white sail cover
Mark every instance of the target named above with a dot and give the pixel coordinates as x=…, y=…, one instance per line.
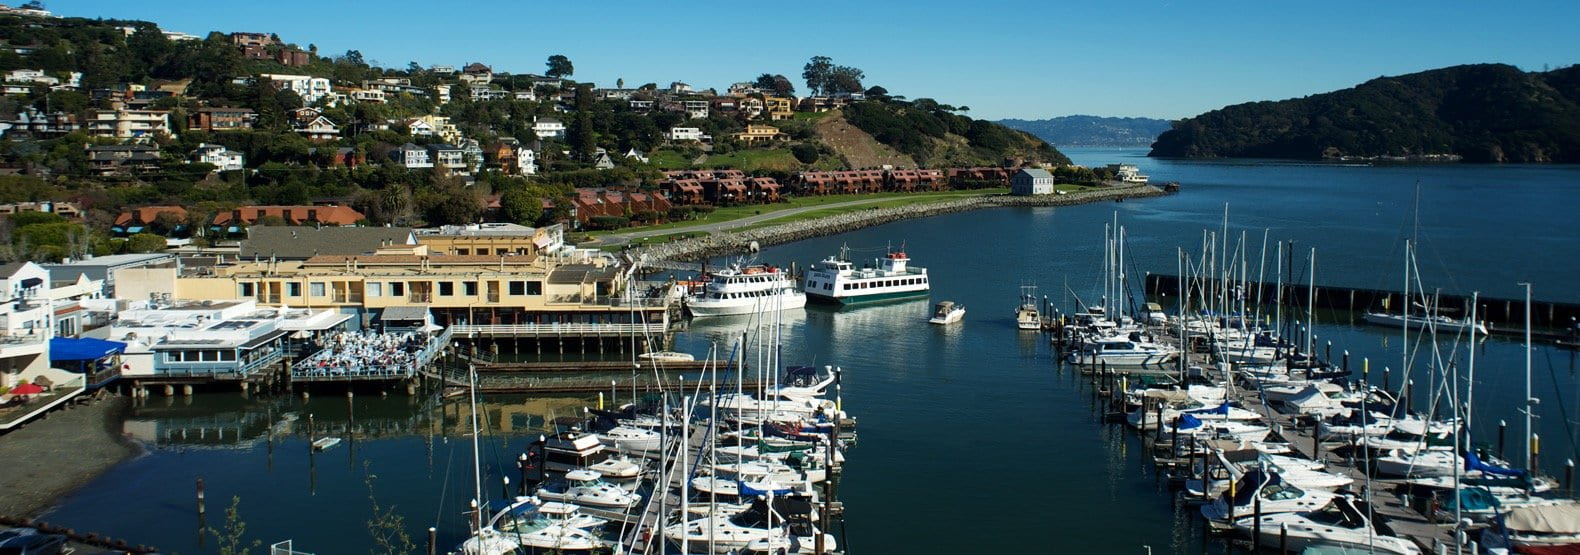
x=1545, y=519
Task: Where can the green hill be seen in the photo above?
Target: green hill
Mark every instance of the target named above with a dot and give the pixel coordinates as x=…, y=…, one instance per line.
x=935, y=137
x=1481, y=113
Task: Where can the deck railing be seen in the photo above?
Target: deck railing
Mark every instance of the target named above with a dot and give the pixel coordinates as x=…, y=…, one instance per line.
x=534, y=330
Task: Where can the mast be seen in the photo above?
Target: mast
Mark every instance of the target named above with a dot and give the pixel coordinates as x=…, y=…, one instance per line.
x=477, y=471
x=1404, y=330
x=1311, y=304
x=1530, y=405
x=1470, y=391
x=685, y=475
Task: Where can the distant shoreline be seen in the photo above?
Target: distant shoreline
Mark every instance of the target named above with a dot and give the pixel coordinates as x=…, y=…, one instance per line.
x=730, y=243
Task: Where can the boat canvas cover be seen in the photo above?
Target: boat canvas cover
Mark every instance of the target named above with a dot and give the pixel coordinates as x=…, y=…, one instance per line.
x=1472, y=462
x=1545, y=519
x=1170, y=395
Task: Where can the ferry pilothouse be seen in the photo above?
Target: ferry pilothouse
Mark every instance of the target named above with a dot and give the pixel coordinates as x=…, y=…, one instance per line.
x=836, y=279
x=746, y=290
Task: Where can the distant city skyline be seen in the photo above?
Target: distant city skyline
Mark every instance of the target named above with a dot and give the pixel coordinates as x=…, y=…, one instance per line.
x=1003, y=59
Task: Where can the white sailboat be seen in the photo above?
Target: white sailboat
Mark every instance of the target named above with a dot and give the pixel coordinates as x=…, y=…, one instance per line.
x=1339, y=524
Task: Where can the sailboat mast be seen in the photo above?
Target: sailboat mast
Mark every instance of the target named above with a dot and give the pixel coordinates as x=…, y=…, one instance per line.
x=1119, y=274
x=1470, y=387
x=1404, y=330
x=1311, y=303
x=477, y=470
x=1529, y=405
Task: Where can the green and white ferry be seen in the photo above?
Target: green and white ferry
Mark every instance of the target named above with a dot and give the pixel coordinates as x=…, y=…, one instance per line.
x=836, y=279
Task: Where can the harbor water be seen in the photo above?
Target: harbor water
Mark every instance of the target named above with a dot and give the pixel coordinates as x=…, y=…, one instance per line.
x=973, y=438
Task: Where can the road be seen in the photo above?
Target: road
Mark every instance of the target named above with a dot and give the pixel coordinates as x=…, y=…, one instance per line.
x=716, y=227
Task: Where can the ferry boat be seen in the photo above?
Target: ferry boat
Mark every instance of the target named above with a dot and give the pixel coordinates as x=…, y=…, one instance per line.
x=836, y=279
x=746, y=290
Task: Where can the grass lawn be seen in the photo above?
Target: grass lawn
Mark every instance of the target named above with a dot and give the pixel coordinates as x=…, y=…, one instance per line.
x=811, y=116
x=669, y=159
x=899, y=199
x=754, y=159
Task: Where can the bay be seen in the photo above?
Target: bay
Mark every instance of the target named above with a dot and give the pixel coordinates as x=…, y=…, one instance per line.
x=973, y=438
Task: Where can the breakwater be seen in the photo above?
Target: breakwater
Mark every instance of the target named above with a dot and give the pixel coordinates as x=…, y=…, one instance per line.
x=729, y=243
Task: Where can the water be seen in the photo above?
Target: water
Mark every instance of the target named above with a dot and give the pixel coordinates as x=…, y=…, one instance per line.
x=972, y=438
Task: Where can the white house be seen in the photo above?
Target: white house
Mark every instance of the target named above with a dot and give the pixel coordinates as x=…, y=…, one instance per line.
x=547, y=127
x=34, y=76
x=222, y=158
x=411, y=156
x=449, y=157
x=678, y=134
x=1031, y=181
x=696, y=109
x=311, y=89
x=443, y=92
x=636, y=155
x=1128, y=173
x=526, y=161
x=678, y=87
x=484, y=92
x=25, y=321
x=320, y=129
x=129, y=124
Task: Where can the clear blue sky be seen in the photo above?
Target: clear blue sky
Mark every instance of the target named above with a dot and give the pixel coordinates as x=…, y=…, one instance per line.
x=1025, y=59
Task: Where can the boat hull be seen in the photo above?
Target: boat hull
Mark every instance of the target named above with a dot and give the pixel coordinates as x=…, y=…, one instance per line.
x=872, y=298
x=735, y=307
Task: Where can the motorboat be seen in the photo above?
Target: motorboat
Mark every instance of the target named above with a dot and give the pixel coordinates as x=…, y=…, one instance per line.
x=746, y=289
x=527, y=508
x=1123, y=352
x=631, y=439
x=588, y=489
x=572, y=450
x=1342, y=523
x=788, y=516
x=947, y=312
x=1026, y=315
x=1551, y=528
x=1277, y=496
x=666, y=356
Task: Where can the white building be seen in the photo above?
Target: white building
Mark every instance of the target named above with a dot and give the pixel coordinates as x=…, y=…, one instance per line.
x=1031, y=181
x=311, y=89
x=34, y=76
x=411, y=156
x=129, y=124
x=25, y=322
x=678, y=134
x=546, y=128
x=222, y=158
x=443, y=92
x=526, y=161
x=449, y=157
x=526, y=94
x=484, y=92
x=377, y=96
x=696, y=109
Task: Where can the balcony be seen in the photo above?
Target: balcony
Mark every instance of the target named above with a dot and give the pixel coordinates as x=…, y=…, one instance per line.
x=23, y=343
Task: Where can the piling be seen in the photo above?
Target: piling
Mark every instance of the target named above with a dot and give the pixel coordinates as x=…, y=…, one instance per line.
x=433, y=541
x=521, y=467
x=1256, y=522
x=1536, y=453
x=200, y=506
x=1283, y=539
x=504, y=488
x=1230, y=499
x=1503, y=427
x=1158, y=422
x=311, y=433
x=1569, y=476
x=1175, y=450
x=1346, y=363
x=1385, y=379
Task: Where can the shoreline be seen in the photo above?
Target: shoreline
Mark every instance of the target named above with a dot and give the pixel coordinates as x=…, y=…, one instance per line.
x=735, y=242
x=61, y=453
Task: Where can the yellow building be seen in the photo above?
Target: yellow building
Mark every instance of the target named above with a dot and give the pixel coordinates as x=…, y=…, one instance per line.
x=779, y=108
x=757, y=133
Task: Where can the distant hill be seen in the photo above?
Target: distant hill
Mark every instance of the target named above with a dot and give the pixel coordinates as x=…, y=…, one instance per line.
x=1480, y=113
x=1092, y=130
x=936, y=137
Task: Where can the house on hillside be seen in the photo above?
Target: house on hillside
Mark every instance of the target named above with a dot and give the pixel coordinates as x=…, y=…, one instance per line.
x=546, y=128
x=130, y=124
x=411, y=156
x=682, y=134
x=142, y=219
x=1031, y=181
x=449, y=157
x=319, y=129
x=223, y=159
x=122, y=159
x=779, y=108
x=231, y=222
x=760, y=133
x=220, y=118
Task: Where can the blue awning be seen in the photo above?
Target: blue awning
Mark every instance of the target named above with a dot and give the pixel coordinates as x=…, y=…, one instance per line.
x=82, y=348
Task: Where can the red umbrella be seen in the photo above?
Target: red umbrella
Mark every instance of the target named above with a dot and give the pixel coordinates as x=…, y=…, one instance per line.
x=27, y=389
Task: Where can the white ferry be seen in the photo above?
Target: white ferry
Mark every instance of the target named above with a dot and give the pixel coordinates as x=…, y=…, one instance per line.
x=746, y=290
x=836, y=279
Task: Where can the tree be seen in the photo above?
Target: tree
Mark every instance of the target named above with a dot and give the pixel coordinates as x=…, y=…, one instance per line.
x=560, y=66
x=145, y=242
x=619, y=83
x=779, y=85
x=579, y=134
x=231, y=540
x=843, y=80
x=804, y=153
x=877, y=93
x=521, y=206
x=353, y=57
x=817, y=72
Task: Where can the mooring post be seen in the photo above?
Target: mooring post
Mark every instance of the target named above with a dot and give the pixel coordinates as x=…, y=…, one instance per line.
x=1503, y=427
x=1569, y=476
x=1283, y=539
x=521, y=467
x=433, y=541
x=201, y=509
x=1256, y=520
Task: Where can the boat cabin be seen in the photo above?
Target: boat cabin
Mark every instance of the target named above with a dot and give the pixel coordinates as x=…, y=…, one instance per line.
x=570, y=451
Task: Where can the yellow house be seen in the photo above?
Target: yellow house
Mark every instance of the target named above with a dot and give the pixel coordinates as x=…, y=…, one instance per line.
x=779, y=108
x=756, y=133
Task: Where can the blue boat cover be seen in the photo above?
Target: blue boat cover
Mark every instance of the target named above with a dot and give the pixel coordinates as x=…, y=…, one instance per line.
x=1472, y=462
x=746, y=490
x=1220, y=409
x=82, y=348
x=1187, y=422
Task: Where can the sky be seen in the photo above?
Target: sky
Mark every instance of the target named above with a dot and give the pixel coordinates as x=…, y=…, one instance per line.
x=1002, y=58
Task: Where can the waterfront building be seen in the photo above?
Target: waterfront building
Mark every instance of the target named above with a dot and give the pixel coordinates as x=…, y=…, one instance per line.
x=209, y=340
x=1031, y=181
x=232, y=222
x=25, y=322
x=1128, y=173
x=106, y=268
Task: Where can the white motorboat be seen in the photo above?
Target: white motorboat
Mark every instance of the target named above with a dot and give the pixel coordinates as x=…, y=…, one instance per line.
x=619, y=469
x=746, y=290
x=667, y=356
x=790, y=516
x=531, y=508
x=1339, y=524
x=1122, y=352
x=1420, y=463
x=1026, y=316
x=1443, y=324
x=587, y=488
x=631, y=439
x=573, y=450
x=1277, y=496
x=947, y=312
x=836, y=279
x=745, y=405
x=734, y=487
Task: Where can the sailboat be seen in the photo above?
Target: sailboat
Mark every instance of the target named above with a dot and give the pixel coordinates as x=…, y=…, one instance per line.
x=1342, y=523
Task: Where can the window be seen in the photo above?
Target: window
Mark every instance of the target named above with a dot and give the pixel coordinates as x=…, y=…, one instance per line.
x=375, y=289
x=316, y=288
x=847, y=287
x=469, y=288
x=227, y=356
x=534, y=288
x=518, y=288
x=463, y=252
x=446, y=288
x=247, y=289
x=210, y=356
x=293, y=289
x=397, y=288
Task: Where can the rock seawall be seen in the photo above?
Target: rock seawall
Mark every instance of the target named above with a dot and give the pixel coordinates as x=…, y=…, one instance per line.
x=729, y=243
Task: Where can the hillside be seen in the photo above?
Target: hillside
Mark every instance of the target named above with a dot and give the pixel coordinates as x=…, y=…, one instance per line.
x=1092, y=130
x=855, y=147
x=935, y=137
x=1480, y=113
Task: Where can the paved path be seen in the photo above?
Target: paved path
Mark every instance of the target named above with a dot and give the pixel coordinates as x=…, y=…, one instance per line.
x=716, y=227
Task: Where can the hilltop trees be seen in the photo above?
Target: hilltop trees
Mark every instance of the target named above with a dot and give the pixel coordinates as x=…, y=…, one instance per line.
x=560, y=66
x=778, y=84
x=825, y=78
